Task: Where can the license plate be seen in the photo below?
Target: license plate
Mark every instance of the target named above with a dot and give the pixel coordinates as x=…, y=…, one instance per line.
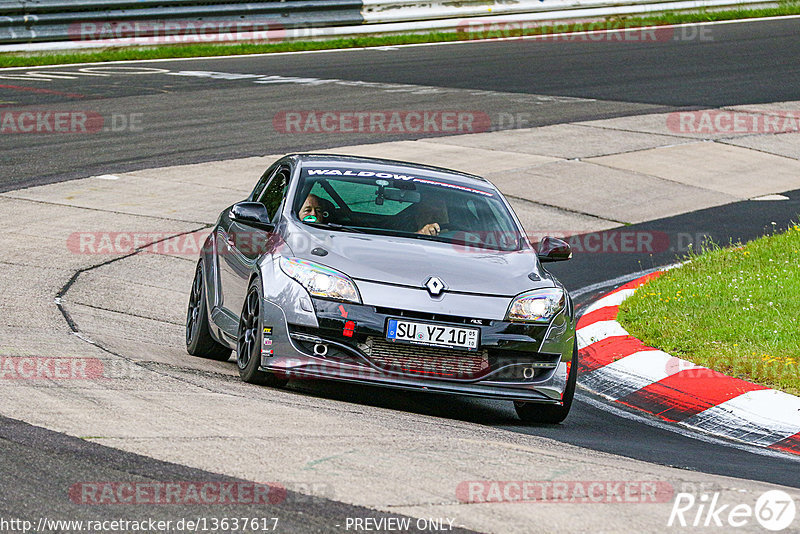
x=432, y=334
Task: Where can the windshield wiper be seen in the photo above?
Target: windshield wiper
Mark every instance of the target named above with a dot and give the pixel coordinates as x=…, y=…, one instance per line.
x=335, y=226
x=461, y=242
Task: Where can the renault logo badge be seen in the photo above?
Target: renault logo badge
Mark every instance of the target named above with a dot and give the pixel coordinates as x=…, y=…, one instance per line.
x=435, y=286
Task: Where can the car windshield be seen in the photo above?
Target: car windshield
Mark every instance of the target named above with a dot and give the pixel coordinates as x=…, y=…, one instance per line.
x=406, y=205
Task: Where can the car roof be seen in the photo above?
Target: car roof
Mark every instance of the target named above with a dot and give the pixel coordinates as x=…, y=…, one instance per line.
x=389, y=165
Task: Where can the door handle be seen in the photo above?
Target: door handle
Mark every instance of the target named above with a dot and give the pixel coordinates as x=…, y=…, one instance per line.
x=229, y=240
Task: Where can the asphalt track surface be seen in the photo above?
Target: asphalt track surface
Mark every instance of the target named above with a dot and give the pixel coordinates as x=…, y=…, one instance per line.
x=190, y=119
x=38, y=464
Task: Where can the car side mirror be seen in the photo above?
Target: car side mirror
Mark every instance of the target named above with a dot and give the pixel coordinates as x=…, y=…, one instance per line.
x=252, y=214
x=553, y=249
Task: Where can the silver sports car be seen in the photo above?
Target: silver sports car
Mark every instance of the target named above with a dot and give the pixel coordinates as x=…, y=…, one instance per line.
x=386, y=273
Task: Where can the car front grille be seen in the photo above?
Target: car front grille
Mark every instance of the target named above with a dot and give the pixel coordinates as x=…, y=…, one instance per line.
x=419, y=360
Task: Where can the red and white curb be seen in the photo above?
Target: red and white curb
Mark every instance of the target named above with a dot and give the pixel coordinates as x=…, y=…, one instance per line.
x=621, y=368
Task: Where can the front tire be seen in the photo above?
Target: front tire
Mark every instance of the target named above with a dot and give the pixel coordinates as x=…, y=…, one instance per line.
x=530, y=412
x=250, y=340
x=199, y=341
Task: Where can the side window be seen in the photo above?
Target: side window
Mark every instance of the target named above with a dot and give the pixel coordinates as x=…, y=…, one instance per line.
x=275, y=191
x=262, y=182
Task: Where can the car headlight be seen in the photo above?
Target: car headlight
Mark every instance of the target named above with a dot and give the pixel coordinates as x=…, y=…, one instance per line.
x=319, y=280
x=539, y=305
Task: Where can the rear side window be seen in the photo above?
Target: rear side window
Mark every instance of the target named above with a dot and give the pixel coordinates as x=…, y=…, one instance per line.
x=274, y=193
x=262, y=182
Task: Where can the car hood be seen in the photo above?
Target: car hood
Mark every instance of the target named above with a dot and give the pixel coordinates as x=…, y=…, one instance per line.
x=410, y=262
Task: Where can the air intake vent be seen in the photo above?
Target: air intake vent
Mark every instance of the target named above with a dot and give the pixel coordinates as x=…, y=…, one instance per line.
x=432, y=362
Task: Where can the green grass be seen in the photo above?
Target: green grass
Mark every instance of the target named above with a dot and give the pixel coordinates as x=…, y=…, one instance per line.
x=734, y=310
x=18, y=59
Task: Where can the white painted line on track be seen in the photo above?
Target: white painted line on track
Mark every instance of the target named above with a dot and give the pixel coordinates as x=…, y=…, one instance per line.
x=618, y=281
x=771, y=197
x=613, y=282
x=384, y=48
x=84, y=337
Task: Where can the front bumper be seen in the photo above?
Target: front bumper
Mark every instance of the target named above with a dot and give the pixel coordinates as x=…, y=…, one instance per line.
x=525, y=362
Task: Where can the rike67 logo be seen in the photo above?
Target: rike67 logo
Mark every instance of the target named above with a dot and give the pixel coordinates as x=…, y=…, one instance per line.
x=774, y=510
